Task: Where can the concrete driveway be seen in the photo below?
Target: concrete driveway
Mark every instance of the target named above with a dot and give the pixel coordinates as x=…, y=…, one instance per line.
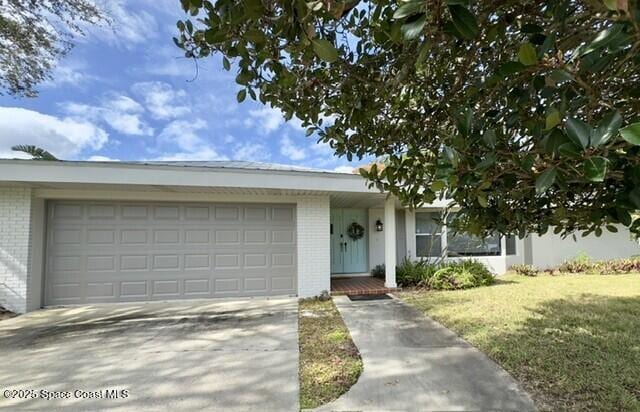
x=204, y=355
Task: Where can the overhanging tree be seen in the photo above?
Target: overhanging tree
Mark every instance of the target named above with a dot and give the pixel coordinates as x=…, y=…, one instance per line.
x=34, y=34
x=525, y=113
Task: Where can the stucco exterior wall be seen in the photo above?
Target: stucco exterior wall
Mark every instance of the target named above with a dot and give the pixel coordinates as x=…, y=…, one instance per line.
x=376, y=239
x=15, y=247
x=551, y=250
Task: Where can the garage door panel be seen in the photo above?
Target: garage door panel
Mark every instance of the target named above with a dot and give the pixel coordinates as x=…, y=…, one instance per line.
x=282, y=283
x=134, y=289
x=66, y=292
x=227, y=213
x=105, y=263
x=109, y=251
x=105, y=291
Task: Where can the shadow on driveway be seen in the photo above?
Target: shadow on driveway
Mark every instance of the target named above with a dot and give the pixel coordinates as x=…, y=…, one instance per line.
x=223, y=355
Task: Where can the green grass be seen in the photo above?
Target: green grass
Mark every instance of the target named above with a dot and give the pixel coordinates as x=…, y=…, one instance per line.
x=329, y=361
x=573, y=341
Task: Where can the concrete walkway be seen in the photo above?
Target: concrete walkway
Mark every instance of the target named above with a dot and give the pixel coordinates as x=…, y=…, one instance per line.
x=412, y=363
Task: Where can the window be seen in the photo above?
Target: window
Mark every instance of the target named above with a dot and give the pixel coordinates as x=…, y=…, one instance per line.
x=431, y=237
x=511, y=245
x=428, y=235
x=462, y=244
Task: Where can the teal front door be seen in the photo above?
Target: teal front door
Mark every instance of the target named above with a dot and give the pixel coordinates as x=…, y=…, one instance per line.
x=348, y=255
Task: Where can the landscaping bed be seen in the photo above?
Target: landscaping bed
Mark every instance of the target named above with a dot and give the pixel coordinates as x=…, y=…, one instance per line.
x=6, y=314
x=572, y=341
x=329, y=360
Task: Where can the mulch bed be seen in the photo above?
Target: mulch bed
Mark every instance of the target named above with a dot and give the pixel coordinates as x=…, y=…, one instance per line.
x=6, y=314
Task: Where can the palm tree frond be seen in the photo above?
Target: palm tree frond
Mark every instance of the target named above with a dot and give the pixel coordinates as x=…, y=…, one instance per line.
x=37, y=153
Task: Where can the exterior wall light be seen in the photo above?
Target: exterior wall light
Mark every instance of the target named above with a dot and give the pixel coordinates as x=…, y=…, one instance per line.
x=379, y=226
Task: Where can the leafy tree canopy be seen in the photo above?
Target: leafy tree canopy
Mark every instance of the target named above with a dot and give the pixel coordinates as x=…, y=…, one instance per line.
x=34, y=34
x=525, y=113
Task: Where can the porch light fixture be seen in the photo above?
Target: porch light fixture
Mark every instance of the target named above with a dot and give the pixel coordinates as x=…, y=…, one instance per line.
x=379, y=226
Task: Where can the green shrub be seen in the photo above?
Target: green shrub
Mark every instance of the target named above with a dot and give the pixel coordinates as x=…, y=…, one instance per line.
x=525, y=270
x=462, y=274
x=581, y=263
x=378, y=272
x=616, y=266
x=410, y=273
x=444, y=279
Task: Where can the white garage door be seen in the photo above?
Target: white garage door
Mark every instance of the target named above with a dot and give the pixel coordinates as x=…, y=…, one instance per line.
x=123, y=252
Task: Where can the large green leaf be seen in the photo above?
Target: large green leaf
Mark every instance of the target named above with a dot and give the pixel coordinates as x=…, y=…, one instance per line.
x=409, y=9
x=510, y=68
x=482, y=199
x=413, y=27
x=546, y=180
x=242, y=94
x=464, y=122
x=490, y=138
x=464, y=21
x=579, y=132
x=595, y=168
x=607, y=128
x=631, y=133
x=604, y=38
x=325, y=50
x=527, y=54
x=552, y=119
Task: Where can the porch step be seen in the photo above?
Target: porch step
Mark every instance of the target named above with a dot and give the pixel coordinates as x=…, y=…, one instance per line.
x=360, y=292
x=361, y=285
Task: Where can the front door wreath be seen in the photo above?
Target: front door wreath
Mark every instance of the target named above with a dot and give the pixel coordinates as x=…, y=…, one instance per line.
x=355, y=231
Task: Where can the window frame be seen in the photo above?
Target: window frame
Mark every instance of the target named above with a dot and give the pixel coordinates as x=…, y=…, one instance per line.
x=443, y=235
x=431, y=235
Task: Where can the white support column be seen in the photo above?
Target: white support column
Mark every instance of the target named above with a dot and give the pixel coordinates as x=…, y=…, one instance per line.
x=390, y=242
x=410, y=229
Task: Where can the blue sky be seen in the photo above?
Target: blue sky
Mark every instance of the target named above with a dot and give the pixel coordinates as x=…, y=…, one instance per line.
x=126, y=93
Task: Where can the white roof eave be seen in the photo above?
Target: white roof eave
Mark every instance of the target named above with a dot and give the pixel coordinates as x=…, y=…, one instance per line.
x=115, y=173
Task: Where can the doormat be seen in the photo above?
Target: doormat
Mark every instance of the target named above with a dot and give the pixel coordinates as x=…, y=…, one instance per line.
x=368, y=297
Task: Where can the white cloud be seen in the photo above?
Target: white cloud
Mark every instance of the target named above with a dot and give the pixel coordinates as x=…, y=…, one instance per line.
x=267, y=119
x=120, y=112
x=123, y=103
x=129, y=27
x=73, y=73
x=184, y=135
x=344, y=169
x=321, y=149
x=102, y=159
x=170, y=61
x=289, y=149
x=251, y=151
x=162, y=100
x=64, y=137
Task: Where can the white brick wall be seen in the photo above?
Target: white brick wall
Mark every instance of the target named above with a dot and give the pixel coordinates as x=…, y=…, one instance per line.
x=15, y=247
x=314, y=260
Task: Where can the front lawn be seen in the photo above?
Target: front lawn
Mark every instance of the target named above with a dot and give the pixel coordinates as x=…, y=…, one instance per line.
x=573, y=341
x=329, y=360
